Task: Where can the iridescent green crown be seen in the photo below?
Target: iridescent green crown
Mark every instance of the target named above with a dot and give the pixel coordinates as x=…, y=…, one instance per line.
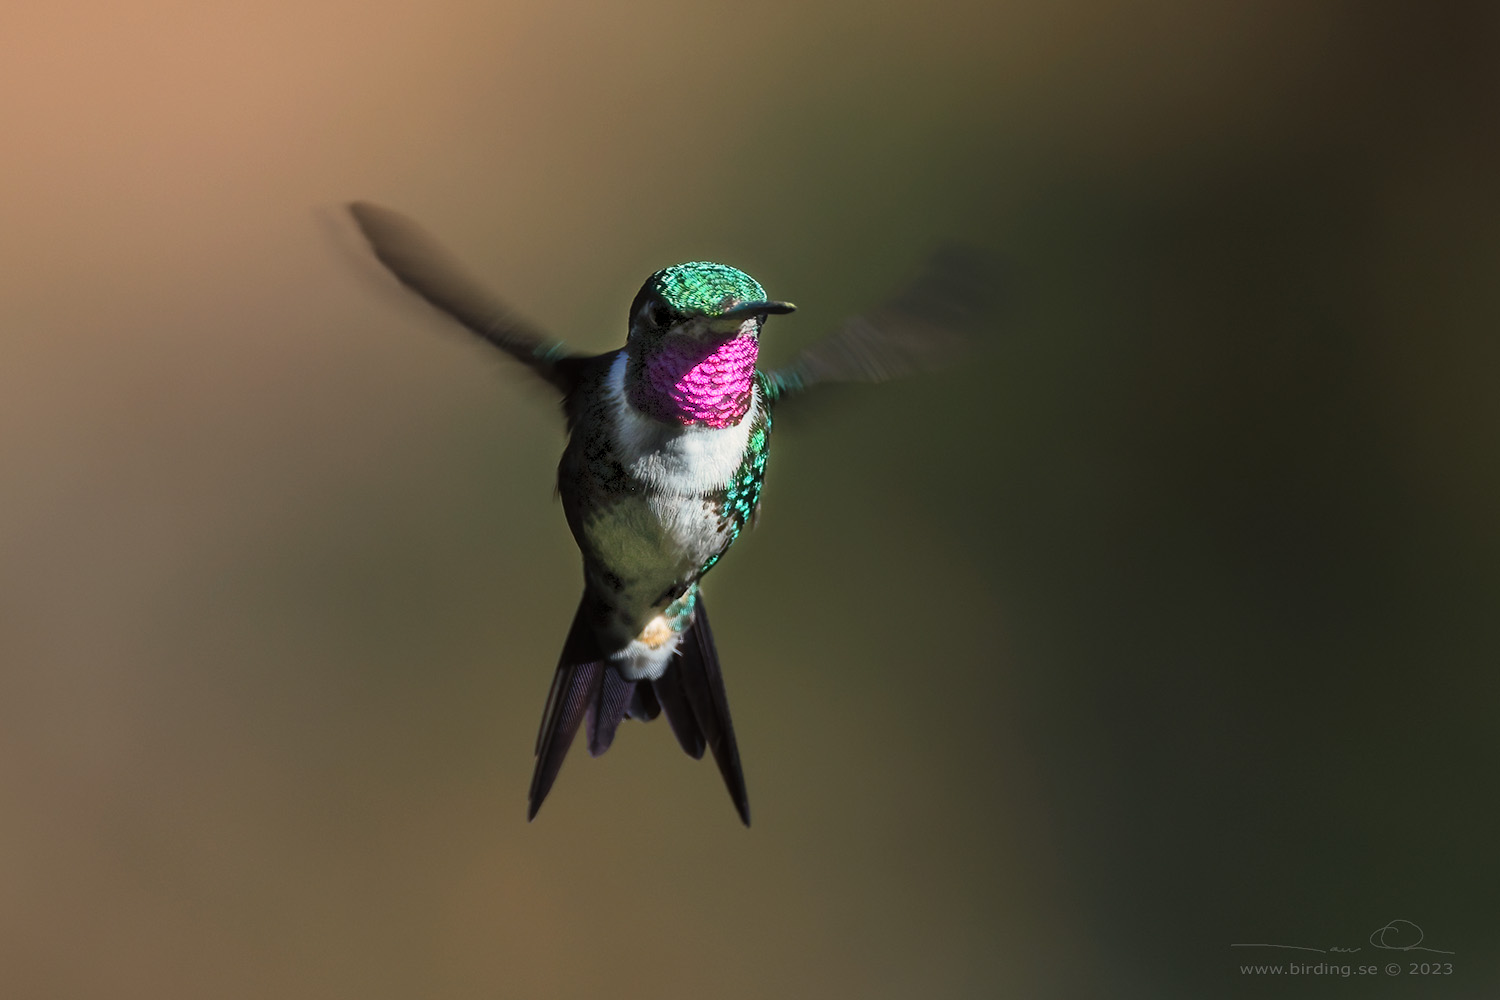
x=702, y=286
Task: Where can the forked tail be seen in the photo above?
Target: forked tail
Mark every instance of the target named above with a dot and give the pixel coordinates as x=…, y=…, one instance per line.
x=690, y=692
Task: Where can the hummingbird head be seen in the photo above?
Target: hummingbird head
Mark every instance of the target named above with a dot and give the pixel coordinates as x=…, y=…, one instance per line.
x=700, y=299
x=694, y=337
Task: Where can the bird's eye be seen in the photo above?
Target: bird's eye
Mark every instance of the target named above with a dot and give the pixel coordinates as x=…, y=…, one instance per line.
x=660, y=315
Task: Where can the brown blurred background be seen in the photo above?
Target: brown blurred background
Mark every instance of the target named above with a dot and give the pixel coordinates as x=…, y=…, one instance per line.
x=1166, y=625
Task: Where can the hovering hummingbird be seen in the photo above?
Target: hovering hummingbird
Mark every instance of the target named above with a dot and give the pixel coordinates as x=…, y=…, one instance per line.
x=668, y=438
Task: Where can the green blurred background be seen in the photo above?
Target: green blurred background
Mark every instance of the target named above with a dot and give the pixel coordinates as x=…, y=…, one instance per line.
x=1166, y=623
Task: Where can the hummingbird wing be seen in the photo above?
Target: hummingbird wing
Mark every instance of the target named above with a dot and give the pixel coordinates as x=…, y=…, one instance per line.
x=422, y=264
x=928, y=325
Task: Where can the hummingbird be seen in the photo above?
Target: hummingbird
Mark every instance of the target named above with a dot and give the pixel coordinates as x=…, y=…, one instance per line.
x=667, y=444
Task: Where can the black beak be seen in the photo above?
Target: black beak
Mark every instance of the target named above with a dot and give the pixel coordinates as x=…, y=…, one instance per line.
x=747, y=309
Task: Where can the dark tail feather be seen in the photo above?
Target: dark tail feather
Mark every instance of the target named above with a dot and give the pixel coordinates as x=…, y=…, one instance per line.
x=697, y=668
x=607, y=709
x=643, y=704
x=575, y=689
x=674, y=702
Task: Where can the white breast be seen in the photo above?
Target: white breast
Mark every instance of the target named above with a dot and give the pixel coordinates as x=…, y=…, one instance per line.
x=683, y=460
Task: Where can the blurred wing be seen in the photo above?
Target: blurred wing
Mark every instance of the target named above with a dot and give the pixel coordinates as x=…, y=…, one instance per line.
x=929, y=325
x=422, y=265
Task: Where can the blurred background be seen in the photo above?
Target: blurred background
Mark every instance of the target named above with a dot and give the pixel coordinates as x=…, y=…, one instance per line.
x=1163, y=624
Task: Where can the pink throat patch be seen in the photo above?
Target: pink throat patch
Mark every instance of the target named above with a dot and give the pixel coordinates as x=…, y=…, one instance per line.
x=688, y=382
